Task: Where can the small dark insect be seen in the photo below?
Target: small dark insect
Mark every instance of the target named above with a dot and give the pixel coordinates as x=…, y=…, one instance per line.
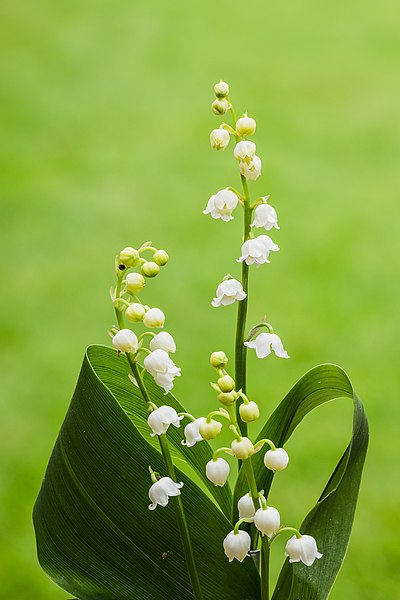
x=121, y=267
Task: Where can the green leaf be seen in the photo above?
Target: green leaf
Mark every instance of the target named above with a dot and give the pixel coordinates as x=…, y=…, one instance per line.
x=96, y=537
x=331, y=519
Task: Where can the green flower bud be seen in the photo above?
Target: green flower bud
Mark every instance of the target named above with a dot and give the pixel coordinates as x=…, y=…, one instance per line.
x=135, y=312
x=218, y=359
x=134, y=283
x=129, y=257
x=221, y=89
x=210, y=429
x=249, y=412
x=245, y=126
x=226, y=383
x=219, y=107
x=161, y=258
x=150, y=269
x=227, y=398
x=242, y=448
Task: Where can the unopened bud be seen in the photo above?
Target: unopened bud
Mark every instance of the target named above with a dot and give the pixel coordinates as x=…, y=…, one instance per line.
x=150, y=269
x=210, y=429
x=160, y=258
x=134, y=283
x=129, y=257
x=245, y=126
x=218, y=359
x=276, y=460
x=219, y=107
x=249, y=412
x=221, y=89
x=135, y=312
x=226, y=383
x=227, y=398
x=242, y=448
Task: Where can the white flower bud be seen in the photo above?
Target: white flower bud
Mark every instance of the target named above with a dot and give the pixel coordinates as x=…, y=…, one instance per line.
x=276, y=460
x=162, y=490
x=129, y=257
x=150, y=269
x=192, y=433
x=162, y=368
x=265, y=216
x=249, y=412
x=228, y=292
x=237, y=545
x=256, y=251
x=154, y=318
x=161, y=418
x=135, y=312
x=226, y=383
x=222, y=205
x=134, y=283
x=217, y=471
x=242, y=448
x=245, y=126
x=263, y=344
x=246, y=507
x=244, y=150
x=163, y=341
x=125, y=341
x=220, y=106
x=219, y=139
x=251, y=170
x=221, y=89
x=302, y=549
x=267, y=520
x=218, y=359
x=210, y=429
x=160, y=257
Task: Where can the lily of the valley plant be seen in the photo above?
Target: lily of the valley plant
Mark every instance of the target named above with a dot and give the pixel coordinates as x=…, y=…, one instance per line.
x=126, y=440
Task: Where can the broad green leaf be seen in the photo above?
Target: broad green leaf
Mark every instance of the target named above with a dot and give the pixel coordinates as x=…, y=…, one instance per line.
x=96, y=537
x=331, y=519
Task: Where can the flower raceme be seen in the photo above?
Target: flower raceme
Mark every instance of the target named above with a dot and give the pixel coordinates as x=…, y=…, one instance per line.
x=161, y=418
x=256, y=251
x=302, y=549
x=162, y=490
x=222, y=205
x=162, y=368
x=228, y=292
x=263, y=344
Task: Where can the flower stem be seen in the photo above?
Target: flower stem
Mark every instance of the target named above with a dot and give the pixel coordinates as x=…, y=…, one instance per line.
x=240, y=349
x=265, y=568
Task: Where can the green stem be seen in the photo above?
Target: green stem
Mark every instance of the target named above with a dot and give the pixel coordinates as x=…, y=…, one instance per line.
x=240, y=349
x=265, y=569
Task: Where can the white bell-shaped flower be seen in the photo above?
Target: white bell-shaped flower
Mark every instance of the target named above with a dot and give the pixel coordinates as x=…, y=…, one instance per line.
x=267, y=520
x=153, y=318
x=302, y=549
x=125, y=341
x=222, y=205
x=227, y=292
x=217, y=471
x=242, y=448
x=162, y=368
x=265, y=216
x=244, y=151
x=276, y=460
x=263, y=344
x=163, y=341
x=237, y=545
x=246, y=507
x=256, y=251
x=192, y=433
x=162, y=490
x=135, y=283
x=161, y=418
x=251, y=169
x=219, y=139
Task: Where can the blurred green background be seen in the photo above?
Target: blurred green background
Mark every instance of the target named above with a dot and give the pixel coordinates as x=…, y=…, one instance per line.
x=105, y=121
